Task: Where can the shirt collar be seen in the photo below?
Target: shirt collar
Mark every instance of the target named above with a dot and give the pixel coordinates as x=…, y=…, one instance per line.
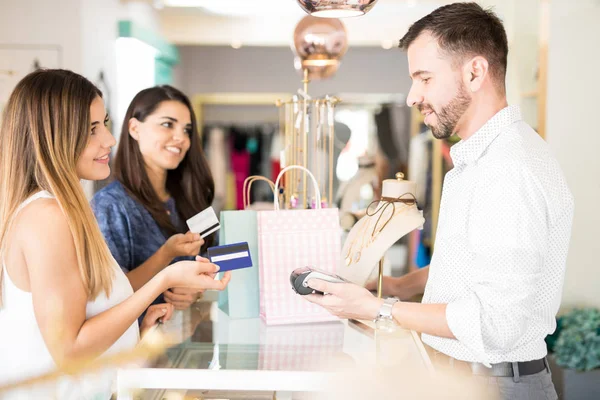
x=470, y=150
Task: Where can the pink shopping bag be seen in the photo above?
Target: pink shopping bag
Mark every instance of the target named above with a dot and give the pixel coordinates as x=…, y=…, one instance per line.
x=290, y=239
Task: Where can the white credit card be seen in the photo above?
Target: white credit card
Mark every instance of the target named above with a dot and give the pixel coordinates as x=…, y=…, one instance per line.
x=204, y=223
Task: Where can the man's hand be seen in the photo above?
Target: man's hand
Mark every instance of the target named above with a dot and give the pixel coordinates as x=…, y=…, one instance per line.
x=345, y=300
x=404, y=287
x=390, y=286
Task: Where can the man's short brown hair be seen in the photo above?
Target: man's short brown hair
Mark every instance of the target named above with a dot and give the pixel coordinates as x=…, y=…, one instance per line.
x=465, y=30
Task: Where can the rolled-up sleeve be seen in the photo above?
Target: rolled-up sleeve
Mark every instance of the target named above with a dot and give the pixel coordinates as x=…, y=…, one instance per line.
x=507, y=233
x=114, y=225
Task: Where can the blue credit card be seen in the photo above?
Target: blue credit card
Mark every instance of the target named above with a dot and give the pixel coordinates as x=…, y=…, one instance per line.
x=231, y=256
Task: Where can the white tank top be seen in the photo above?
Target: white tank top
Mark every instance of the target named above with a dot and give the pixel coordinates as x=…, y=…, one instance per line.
x=23, y=353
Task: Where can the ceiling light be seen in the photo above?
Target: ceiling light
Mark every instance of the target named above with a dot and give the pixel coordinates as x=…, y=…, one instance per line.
x=320, y=42
x=240, y=8
x=315, y=72
x=336, y=8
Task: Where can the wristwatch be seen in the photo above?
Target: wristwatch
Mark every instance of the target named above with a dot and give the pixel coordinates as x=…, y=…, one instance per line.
x=385, y=317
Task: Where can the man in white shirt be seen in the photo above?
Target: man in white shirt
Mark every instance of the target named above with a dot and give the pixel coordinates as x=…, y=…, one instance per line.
x=494, y=285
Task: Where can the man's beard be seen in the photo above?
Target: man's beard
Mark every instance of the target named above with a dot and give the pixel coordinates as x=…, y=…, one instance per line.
x=450, y=114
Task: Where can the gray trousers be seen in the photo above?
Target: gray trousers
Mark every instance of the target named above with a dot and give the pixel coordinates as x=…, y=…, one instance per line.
x=531, y=387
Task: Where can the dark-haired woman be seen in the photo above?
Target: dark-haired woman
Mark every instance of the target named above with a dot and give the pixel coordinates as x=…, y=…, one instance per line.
x=161, y=179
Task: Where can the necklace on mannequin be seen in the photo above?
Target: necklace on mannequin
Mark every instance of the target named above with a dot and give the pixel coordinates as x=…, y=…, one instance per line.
x=360, y=234
x=362, y=237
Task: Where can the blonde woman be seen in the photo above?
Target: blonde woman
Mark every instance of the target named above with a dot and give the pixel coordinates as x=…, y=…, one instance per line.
x=63, y=295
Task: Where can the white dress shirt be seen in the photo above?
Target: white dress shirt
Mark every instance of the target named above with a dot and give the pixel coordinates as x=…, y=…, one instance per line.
x=501, y=245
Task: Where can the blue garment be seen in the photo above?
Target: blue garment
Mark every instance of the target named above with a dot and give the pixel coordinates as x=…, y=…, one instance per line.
x=423, y=256
x=129, y=229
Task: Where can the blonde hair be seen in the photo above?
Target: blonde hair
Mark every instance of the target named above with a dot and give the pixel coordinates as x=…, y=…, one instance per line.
x=45, y=127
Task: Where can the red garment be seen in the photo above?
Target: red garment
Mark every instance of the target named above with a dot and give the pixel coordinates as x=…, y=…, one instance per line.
x=240, y=165
x=275, y=170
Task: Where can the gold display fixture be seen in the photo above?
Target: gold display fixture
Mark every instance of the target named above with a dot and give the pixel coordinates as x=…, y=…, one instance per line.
x=307, y=124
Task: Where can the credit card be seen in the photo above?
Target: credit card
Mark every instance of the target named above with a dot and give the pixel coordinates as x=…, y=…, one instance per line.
x=204, y=223
x=231, y=256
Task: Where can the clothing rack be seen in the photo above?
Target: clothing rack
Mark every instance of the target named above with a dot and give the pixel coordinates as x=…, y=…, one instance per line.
x=233, y=99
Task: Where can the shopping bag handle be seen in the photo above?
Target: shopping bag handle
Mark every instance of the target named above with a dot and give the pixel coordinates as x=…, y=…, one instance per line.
x=312, y=177
x=248, y=184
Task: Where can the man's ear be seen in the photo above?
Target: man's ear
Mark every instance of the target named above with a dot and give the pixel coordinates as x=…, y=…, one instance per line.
x=475, y=72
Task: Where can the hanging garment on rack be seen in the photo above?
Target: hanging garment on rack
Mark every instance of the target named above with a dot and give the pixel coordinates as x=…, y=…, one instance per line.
x=423, y=253
x=342, y=137
x=260, y=136
x=420, y=171
x=385, y=134
x=255, y=138
x=393, y=133
x=243, y=149
x=419, y=163
x=358, y=192
x=231, y=197
x=240, y=164
x=254, y=146
x=268, y=133
x=217, y=160
x=275, y=156
x=400, y=121
x=446, y=154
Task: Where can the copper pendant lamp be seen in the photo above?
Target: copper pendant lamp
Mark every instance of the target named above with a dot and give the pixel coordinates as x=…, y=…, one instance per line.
x=320, y=42
x=315, y=73
x=336, y=8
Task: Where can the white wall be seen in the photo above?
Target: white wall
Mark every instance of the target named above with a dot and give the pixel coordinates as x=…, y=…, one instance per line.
x=207, y=69
x=140, y=11
x=39, y=22
x=99, y=33
x=99, y=51
x=521, y=20
x=85, y=30
x=574, y=134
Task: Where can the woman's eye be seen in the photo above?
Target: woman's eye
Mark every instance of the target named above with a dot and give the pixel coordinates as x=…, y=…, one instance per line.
x=167, y=124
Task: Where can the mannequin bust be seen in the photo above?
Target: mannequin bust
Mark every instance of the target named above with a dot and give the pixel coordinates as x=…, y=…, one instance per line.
x=393, y=216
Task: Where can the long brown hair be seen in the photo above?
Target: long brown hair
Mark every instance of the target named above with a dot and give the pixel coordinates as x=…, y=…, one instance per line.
x=45, y=128
x=191, y=184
